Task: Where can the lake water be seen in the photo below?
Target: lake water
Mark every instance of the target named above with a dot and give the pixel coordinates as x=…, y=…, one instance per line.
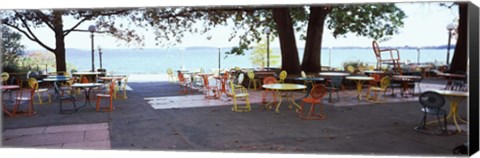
x=156, y=61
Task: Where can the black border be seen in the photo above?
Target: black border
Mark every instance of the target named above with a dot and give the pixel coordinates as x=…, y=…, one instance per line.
x=473, y=45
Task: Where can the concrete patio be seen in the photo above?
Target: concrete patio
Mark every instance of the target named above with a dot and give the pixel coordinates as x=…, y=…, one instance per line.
x=177, y=122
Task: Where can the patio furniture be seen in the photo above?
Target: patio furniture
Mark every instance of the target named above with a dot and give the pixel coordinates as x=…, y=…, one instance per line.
x=359, y=81
x=309, y=82
x=4, y=78
x=87, y=88
x=236, y=93
x=284, y=91
x=20, y=99
x=33, y=83
x=122, y=87
x=210, y=90
x=432, y=103
x=64, y=96
x=384, y=83
x=171, y=79
x=184, y=82
x=334, y=86
x=104, y=95
x=350, y=69
x=405, y=81
x=283, y=76
x=7, y=88
x=317, y=93
x=269, y=80
x=416, y=82
x=455, y=98
x=252, y=80
x=239, y=81
x=394, y=60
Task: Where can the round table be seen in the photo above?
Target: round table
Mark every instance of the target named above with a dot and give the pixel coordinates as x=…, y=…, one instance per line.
x=92, y=76
x=455, y=98
x=87, y=87
x=286, y=88
x=359, y=81
x=405, y=79
x=330, y=74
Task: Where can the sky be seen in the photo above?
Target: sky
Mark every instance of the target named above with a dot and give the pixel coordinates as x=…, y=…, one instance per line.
x=425, y=25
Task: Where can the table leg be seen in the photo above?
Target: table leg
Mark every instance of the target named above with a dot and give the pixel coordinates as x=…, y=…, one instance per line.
x=280, y=96
x=454, y=102
x=359, y=89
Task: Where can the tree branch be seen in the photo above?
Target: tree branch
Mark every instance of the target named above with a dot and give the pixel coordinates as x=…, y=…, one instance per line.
x=44, y=18
x=66, y=32
x=33, y=37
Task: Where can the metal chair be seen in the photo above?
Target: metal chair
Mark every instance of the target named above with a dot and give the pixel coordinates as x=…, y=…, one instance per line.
x=239, y=92
x=33, y=83
x=5, y=77
x=269, y=80
x=64, y=96
x=19, y=99
x=104, y=95
x=171, y=78
x=384, y=83
x=184, y=82
x=210, y=89
x=335, y=84
x=394, y=60
x=251, y=77
x=432, y=103
x=283, y=76
x=317, y=93
x=416, y=82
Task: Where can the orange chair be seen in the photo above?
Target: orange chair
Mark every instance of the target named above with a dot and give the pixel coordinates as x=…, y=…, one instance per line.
x=269, y=80
x=29, y=100
x=208, y=87
x=109, y=95
x=317, y=94
x=182, y=81
x=375, y=81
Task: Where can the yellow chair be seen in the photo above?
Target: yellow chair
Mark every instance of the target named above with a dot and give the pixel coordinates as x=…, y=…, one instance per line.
x=33, y=83
x=251, y=77
x=306, y=82
x=239, y=92
x=283, y=76
x=171, y=78
x=384, y=83
x=371, y=67
x=350, y=69
x=5, y=77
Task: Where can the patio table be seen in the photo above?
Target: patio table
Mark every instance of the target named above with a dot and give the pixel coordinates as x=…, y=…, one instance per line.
x=223, y=85
x=8, y=88
x=450, y=77
x=112, y=79
x=55, y=80
x=87, y=87
x=405, y=79
x=359, y=81
x=287, y=89
x=92, y=76
x=328, y=75
x=455, y=98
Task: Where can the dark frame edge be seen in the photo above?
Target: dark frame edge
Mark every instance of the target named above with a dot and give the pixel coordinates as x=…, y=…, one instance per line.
x=473, y=52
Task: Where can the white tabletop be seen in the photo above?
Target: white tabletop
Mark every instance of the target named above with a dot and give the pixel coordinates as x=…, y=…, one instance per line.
x=284, y=86
x=406, y=77
x=87, y=73
x=452, y=93
x=333, y=74
x=86, y=85
x=362, y=78
x=374, y=72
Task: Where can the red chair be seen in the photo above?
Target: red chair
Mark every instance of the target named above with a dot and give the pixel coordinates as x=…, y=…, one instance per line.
x=269, y=80
x=29, y=100
x=109, y=95
x=208, y=88
x=182, y=81
x=317, y=94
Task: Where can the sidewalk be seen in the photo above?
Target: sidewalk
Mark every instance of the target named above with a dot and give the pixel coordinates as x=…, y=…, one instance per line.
x=138, y=124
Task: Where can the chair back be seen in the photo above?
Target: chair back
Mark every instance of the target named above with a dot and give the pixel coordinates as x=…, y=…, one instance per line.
x=371, y=67
x=33, y=83
x=240, y=78
x=385, y=82
x=350, y=69
x=283, y=76
x=250, y=74
x=431, y=100
x=376, y=77
x=232, y=88
x=181, y=78
x=211, y=81
x=5, y=77
x=303, y=74
x=269, y=80
x=319, y=91
x=226, y=75
x=169, y=71
x=84, y=79
x=125, y=81
x=376, y=49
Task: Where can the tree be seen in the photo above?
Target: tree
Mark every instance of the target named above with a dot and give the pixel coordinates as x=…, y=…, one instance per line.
x=168, y=23
x=259, y=55
x=459, y=60
x=11, y=49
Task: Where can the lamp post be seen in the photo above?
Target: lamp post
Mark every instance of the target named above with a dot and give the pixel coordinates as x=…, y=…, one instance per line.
x=267, y=31
x=219, y=61
x=329, y=57
x=450, y=27
x=418, y=55
x=92, y=29
x=100, y=56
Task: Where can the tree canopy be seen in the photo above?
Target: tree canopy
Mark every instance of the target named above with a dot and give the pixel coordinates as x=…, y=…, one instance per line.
x=11, y=48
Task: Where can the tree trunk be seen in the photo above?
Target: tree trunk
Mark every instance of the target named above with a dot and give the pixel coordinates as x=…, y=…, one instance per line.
x=312, y=54
x=459, y=61
x=60, y=59
x=288, y=46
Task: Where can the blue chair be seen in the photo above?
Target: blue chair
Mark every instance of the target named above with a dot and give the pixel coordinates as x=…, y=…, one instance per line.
x=334, y=85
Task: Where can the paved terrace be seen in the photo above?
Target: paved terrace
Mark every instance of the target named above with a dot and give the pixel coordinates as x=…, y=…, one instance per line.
x=156, y=117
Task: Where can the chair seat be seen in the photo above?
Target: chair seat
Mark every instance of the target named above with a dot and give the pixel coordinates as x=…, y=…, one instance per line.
x=434, y=111
x=103, y=95
x=241, y=95
x=312, y=100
